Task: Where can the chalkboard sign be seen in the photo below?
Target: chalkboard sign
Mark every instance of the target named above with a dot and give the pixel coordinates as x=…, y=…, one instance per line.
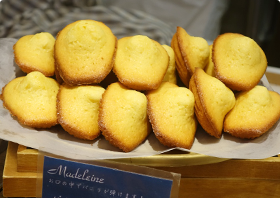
x=68, y=179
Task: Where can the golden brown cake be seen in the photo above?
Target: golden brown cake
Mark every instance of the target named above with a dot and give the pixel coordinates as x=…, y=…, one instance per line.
x=77, y=108
x=171, y=113
x=239, y=62
x=123, y=117
x=183, y=73
x=140, y=63
x=209, y=69
x=35, y=53
x=84, y=52
x=191, y=52
x=213, y=100
x=32, y=99
x=254, y=113
x=170, y=75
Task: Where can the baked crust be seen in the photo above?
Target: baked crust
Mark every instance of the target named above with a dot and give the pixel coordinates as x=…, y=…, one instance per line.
x=182, y=70
x=123, y=117
x=170, y=75
x=77, y=110
x=35, y=53
x=213, y=100
x=257, y=111
x=200, y=112
x=32, y=100
x=141, y=63
x=238, y=61
x=84, y=52
x=171, y=113
x=191, y=52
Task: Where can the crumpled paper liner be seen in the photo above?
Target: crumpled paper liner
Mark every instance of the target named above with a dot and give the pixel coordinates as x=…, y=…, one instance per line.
x=59, y=142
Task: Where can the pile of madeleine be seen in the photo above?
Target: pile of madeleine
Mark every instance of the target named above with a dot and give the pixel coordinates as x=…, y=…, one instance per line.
x=93, y=84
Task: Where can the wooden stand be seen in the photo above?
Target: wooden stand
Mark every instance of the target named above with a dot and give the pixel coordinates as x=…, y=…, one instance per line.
x=16, y=183
x=224, y=178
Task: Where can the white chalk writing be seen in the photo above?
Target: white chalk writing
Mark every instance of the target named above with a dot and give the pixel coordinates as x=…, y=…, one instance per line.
x=110, y=192
x=78, y=174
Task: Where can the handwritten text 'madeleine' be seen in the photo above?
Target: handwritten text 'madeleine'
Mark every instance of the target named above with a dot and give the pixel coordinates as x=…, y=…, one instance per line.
x=81, y=175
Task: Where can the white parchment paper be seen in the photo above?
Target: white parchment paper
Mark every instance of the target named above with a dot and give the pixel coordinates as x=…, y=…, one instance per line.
x=59, y=142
